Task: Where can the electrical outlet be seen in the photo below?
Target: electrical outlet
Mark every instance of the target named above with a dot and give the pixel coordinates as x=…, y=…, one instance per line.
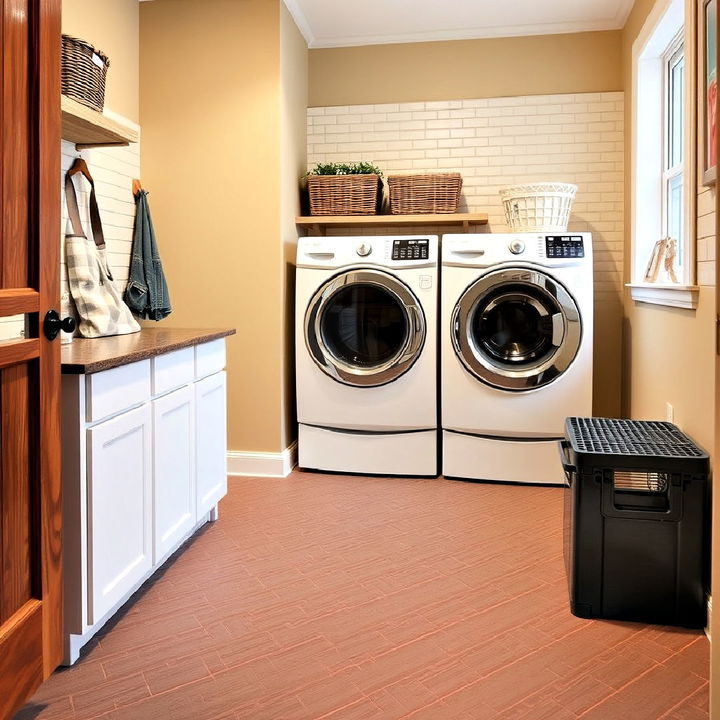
x=669, y=412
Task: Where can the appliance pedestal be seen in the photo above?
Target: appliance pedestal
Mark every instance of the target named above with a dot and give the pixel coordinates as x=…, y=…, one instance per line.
x=351, y=451
x=502, y=459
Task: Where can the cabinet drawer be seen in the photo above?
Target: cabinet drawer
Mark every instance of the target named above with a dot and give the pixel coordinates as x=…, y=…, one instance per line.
x=112, y=391
x=173, y=370
x=209, y=358
x=119, y=508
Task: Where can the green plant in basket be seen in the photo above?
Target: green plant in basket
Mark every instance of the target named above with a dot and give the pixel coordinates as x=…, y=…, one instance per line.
x=356, y=168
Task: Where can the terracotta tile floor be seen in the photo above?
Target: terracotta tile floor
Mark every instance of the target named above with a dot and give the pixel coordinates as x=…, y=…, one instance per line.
x=355, y=598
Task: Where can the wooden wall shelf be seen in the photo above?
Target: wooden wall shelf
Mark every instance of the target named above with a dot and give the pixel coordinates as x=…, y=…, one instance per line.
x=88, y=128
x=322, y=222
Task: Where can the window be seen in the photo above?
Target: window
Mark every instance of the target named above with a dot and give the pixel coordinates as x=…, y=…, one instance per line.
x=673, y=150
x=663, y=164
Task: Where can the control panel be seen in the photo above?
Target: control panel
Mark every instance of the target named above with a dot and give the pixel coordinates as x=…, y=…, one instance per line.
x=564, y=246
x=411, y=249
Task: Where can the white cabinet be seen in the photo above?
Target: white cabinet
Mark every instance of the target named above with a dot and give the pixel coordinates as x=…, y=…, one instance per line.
x=173, y=470
x=144, y=465
x=211, y=441
x=119, y=498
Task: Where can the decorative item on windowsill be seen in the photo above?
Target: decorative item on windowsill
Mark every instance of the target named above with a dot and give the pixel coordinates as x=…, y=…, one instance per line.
x=426, y=193
x=661, y=266
x=84, y=71
x=344, y=189
x=538, y=207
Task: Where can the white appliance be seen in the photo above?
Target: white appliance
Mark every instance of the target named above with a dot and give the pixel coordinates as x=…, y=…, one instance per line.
x=516, y=351
x=366, y=354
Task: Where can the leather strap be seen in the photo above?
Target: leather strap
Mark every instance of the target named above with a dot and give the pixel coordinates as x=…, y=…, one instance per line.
x=80, y=167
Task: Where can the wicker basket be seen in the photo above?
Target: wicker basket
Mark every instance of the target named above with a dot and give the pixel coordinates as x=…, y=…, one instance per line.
x=424, y=194
x=344, y=194
x=84, y=70
x=540, y=207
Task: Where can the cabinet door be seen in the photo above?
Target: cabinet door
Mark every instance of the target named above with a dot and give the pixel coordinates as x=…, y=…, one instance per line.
x=211, y=441
x=119, y=502
x=173, y=470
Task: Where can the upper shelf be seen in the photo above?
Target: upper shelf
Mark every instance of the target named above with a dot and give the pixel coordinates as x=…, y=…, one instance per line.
x=326, y=221
x=88, y=128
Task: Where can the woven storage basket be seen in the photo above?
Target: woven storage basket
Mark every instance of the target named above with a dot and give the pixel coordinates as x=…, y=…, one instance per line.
x=343, y=194
x=424, y=194
x=540, y=207
x=84, y=70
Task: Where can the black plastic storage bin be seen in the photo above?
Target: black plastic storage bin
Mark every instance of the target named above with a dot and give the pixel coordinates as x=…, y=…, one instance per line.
x=636, y=530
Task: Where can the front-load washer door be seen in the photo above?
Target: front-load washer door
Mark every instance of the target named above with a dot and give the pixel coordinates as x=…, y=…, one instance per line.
x=364, y=328
x=516, y=329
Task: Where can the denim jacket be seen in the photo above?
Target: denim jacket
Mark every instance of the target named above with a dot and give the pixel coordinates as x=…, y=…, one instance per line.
x=147, y=292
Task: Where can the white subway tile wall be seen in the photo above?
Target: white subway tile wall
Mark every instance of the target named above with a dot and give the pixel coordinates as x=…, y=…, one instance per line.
x=706, y=236
x=497, y=142
x=113, y=170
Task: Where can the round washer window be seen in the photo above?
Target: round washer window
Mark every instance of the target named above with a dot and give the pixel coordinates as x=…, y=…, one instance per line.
x=364, y=328
x=516, y=329
x=364, y=325
x=514, y=325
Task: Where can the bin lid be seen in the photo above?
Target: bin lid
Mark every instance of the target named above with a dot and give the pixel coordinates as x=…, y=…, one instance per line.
x=616, y=442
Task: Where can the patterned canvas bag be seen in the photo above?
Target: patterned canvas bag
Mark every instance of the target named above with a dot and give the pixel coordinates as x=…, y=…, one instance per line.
x=99, y=303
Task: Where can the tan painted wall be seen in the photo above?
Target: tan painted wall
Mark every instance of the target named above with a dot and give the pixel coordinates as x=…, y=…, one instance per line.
x=293, y=108
x=210, y=115
x=465, y=69
x=669, y=353
x=113, y=27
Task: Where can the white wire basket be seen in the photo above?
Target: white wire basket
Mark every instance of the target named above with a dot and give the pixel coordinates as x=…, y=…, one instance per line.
x=539, y=207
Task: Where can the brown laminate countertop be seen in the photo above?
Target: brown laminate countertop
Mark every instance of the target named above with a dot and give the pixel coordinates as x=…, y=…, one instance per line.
x=90, y=355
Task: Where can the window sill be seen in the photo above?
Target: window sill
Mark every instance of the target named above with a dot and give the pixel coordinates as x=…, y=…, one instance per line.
x=680, y=296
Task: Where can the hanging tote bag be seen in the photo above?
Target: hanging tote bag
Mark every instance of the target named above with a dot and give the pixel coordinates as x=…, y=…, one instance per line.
x=99, y=304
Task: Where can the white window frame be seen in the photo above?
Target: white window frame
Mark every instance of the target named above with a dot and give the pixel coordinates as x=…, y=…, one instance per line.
x=665, y=29
x=669, y=60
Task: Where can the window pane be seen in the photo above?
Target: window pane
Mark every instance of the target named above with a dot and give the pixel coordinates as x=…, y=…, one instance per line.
x=675, y=139
x=674, y=213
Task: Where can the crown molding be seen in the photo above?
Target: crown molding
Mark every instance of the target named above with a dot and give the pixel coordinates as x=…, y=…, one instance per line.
x=301, y=21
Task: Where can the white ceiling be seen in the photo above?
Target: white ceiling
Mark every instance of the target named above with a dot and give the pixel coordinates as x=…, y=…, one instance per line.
x=338, y=23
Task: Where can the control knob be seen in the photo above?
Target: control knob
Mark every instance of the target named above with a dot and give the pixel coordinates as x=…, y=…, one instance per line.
x=364, y=250
x=517, y=246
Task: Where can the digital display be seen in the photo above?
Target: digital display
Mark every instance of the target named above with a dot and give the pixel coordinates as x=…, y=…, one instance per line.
x=564, y=246
x=411, y=249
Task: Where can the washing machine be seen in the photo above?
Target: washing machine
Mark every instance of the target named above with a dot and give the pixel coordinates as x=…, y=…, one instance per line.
x=516, y=351
x=366, y=354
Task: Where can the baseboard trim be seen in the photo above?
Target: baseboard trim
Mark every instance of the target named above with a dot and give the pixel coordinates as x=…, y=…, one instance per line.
x=255, y=464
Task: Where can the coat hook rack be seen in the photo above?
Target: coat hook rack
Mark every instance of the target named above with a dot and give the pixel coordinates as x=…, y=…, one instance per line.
x=136, y=187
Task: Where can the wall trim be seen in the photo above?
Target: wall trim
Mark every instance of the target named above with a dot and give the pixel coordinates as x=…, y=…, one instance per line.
x=682, y=296
x=260, y=464
x=301, y=21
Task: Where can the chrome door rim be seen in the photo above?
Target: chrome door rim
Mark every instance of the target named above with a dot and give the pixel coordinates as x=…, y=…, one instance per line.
x=479, y=362
x=381, y=373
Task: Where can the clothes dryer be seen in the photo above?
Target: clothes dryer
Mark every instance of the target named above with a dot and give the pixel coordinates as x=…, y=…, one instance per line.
x=516, y=351
x=366, y=354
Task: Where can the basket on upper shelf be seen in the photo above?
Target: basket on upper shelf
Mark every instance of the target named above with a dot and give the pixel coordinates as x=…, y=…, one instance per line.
x=424, y=194
x=84, y=71
x=538, y=207
x=343, y=194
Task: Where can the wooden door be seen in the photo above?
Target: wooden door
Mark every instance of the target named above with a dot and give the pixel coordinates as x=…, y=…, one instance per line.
x=30, y=511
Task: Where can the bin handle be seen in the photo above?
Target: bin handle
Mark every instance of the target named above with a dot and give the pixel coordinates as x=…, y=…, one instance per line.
x=568, y=468
x=673, y=513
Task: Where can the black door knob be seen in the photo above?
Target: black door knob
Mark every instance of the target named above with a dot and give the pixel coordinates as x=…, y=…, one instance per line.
x=52, y=324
